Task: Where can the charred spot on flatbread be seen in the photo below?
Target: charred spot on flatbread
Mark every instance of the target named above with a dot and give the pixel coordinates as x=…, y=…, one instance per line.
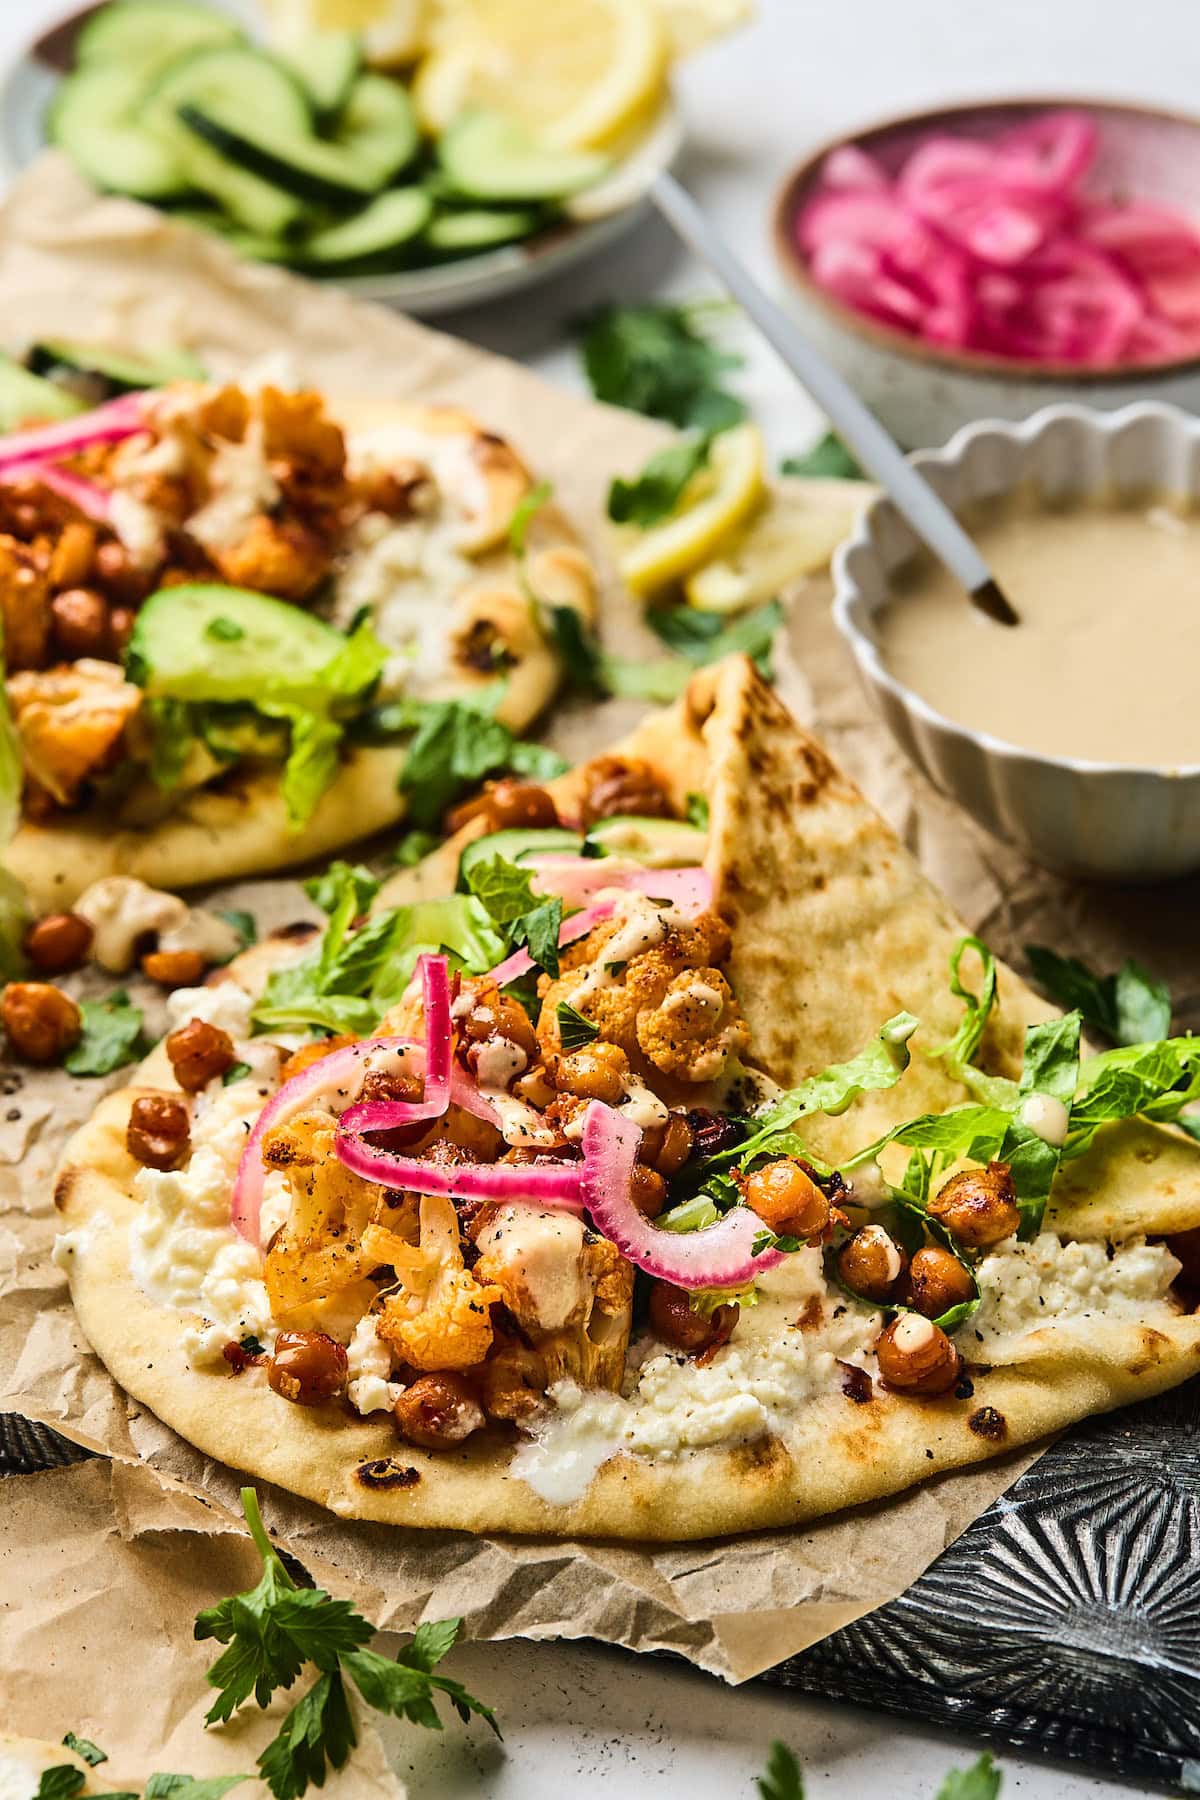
x=384, y=1473
x=987, y=1422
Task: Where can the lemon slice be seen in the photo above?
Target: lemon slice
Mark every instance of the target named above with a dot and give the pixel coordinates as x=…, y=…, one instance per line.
x=719, y=499
x=794, y=535
x=576, y=73
x=392, y=31
x=693, y=23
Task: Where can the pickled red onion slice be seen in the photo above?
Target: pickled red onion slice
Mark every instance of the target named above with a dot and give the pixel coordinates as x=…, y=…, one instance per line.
x=520, y=962
x=338, y=1075
x=535, y=1184
x=385, y=1115
x=52, y=443
x=580, y=878
x=93, y=501
x=994, y=246
x=717, y=1256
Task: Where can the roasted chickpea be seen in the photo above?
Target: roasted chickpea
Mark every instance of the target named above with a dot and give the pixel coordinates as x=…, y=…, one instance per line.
x=58, y=942
x=173, y=968
x=198, y=1053
x=978, y=1206
x=647, y=1190
x=158, y=1131
x=513, y=1382
x=620, y=784
x=437, y=1412
x=595, y=1072
x=120, y=578
x=871, y=1263
x=787, y=1198
x=40, y=1021
x=80, y=623
x=494, y=1014
x=936, y=1282
x=672, y=1320
x=505, y=806
x=121, y=621
x=308, y=1367
x=667, y=1147
x=916, y=1356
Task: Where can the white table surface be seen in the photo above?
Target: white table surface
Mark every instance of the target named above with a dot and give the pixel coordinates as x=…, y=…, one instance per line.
x=580, y=1722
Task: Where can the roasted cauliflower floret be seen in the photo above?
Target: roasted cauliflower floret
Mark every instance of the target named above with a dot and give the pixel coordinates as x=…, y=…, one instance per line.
x=70, y=721
x=296, y=430
x=695, y=1029
x=440, y=1317
x=319, y=1255
x=24, y=607
x=276, y=557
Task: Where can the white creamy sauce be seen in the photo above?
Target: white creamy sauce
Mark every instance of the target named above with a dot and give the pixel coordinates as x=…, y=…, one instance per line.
x=138, y=526
x=370, y=1387
x=214, y=938
x=1053, y=1281
x=757, y=1383
x=1104, y=591
x=121, y=910
x=881, y=1240
x=241, y=486
x=19, y=1780
x=1046, y=1117
x=184, y=1253
x=640, y=1105
x=536, y=1255
x=643, y=925
x=498, y=1062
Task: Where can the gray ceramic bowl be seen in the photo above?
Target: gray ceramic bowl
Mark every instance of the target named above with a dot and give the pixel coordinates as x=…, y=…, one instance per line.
x=1103, y=821
x=923, y=394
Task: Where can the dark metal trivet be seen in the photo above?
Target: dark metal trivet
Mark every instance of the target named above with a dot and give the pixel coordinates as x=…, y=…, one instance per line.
x=1065, y=1620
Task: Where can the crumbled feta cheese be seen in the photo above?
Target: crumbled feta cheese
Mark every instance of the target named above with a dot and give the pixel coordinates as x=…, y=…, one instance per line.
x=370, y=1387
x=1025, y=1286
x=226, y=1005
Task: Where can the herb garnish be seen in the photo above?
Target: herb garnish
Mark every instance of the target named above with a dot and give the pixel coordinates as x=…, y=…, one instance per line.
x=659, y=488
x=112, y=1036
x=782, y=1779
x=84, y=1747
x=574, y=1030
x=63, y=1781
x=704, y=638
x=827, y=457
x=1130, y=1007
x=505, y=891
x=276, y=1627
x=243, y=923
x=656, y=359
x=696, y=811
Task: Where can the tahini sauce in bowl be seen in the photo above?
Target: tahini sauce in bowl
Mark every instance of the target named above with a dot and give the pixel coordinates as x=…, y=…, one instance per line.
x=1105, y=664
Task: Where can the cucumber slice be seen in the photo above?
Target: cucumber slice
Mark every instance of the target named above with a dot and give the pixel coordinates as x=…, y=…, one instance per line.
x=516, y=844
x=203, y=642
x=25, y=397
x=658, y=843
x=297, y=162
x=326, y=64
x=480, y=228
x=489, y=157
x=257, y=246
x=378, y=127
x=148, y=34
x=120, y=373
x=94, y=118
x=390, y=221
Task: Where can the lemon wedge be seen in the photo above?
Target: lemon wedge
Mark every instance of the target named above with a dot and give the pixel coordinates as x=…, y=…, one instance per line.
x=693, y=23
x=577, y=73
x=794, y=535
x=715, y=502
x=392, y=31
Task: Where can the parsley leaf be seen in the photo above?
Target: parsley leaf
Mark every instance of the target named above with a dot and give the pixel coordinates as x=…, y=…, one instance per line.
x=413, y=847
x=782, y=1780
x=91, y=1753
x=505, y=890
x=237, y=1071
x=980, y=1782
x=659, y=488
x=656, y=359
x=112, y=1036
x=828, y=457
x=60, y=1782
x=707, y=637
x=1130, y=1007
x=271, y=1632
x=243, y=923
x=574, y=1030
x=697, y=811
x=329, y=890
x=590, y=670
x=191, y=1787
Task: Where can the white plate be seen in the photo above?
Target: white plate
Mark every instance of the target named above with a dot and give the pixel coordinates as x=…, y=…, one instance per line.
x=593, y=221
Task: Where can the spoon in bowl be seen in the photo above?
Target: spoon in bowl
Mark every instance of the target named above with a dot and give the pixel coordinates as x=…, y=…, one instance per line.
x=860, y=430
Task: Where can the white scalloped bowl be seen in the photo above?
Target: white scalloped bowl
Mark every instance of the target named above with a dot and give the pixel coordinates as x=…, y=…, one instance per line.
x=1096, y=820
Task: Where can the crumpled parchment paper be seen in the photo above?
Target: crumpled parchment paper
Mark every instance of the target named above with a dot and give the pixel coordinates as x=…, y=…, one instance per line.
x=76, y=266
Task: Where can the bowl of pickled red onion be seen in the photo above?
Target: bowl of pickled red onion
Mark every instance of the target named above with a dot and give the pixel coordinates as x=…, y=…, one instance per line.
x=985, y=260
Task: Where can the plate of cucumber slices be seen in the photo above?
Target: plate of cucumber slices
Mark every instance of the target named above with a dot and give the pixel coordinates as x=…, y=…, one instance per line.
x=302, y=155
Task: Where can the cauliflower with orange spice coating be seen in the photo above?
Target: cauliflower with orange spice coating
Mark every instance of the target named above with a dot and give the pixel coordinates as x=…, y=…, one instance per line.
x=440, y=1317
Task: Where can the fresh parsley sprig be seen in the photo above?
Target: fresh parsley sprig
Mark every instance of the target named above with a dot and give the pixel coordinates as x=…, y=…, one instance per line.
x=658, y=489
x=275, y=1629
x=1128, y=1007
x=659, y=360
x=111, y=1036
x=505, y=890
x=782, y=1779
x=64, y=1781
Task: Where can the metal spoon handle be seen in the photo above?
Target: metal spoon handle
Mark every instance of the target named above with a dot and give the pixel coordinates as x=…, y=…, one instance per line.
x=858, y=427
